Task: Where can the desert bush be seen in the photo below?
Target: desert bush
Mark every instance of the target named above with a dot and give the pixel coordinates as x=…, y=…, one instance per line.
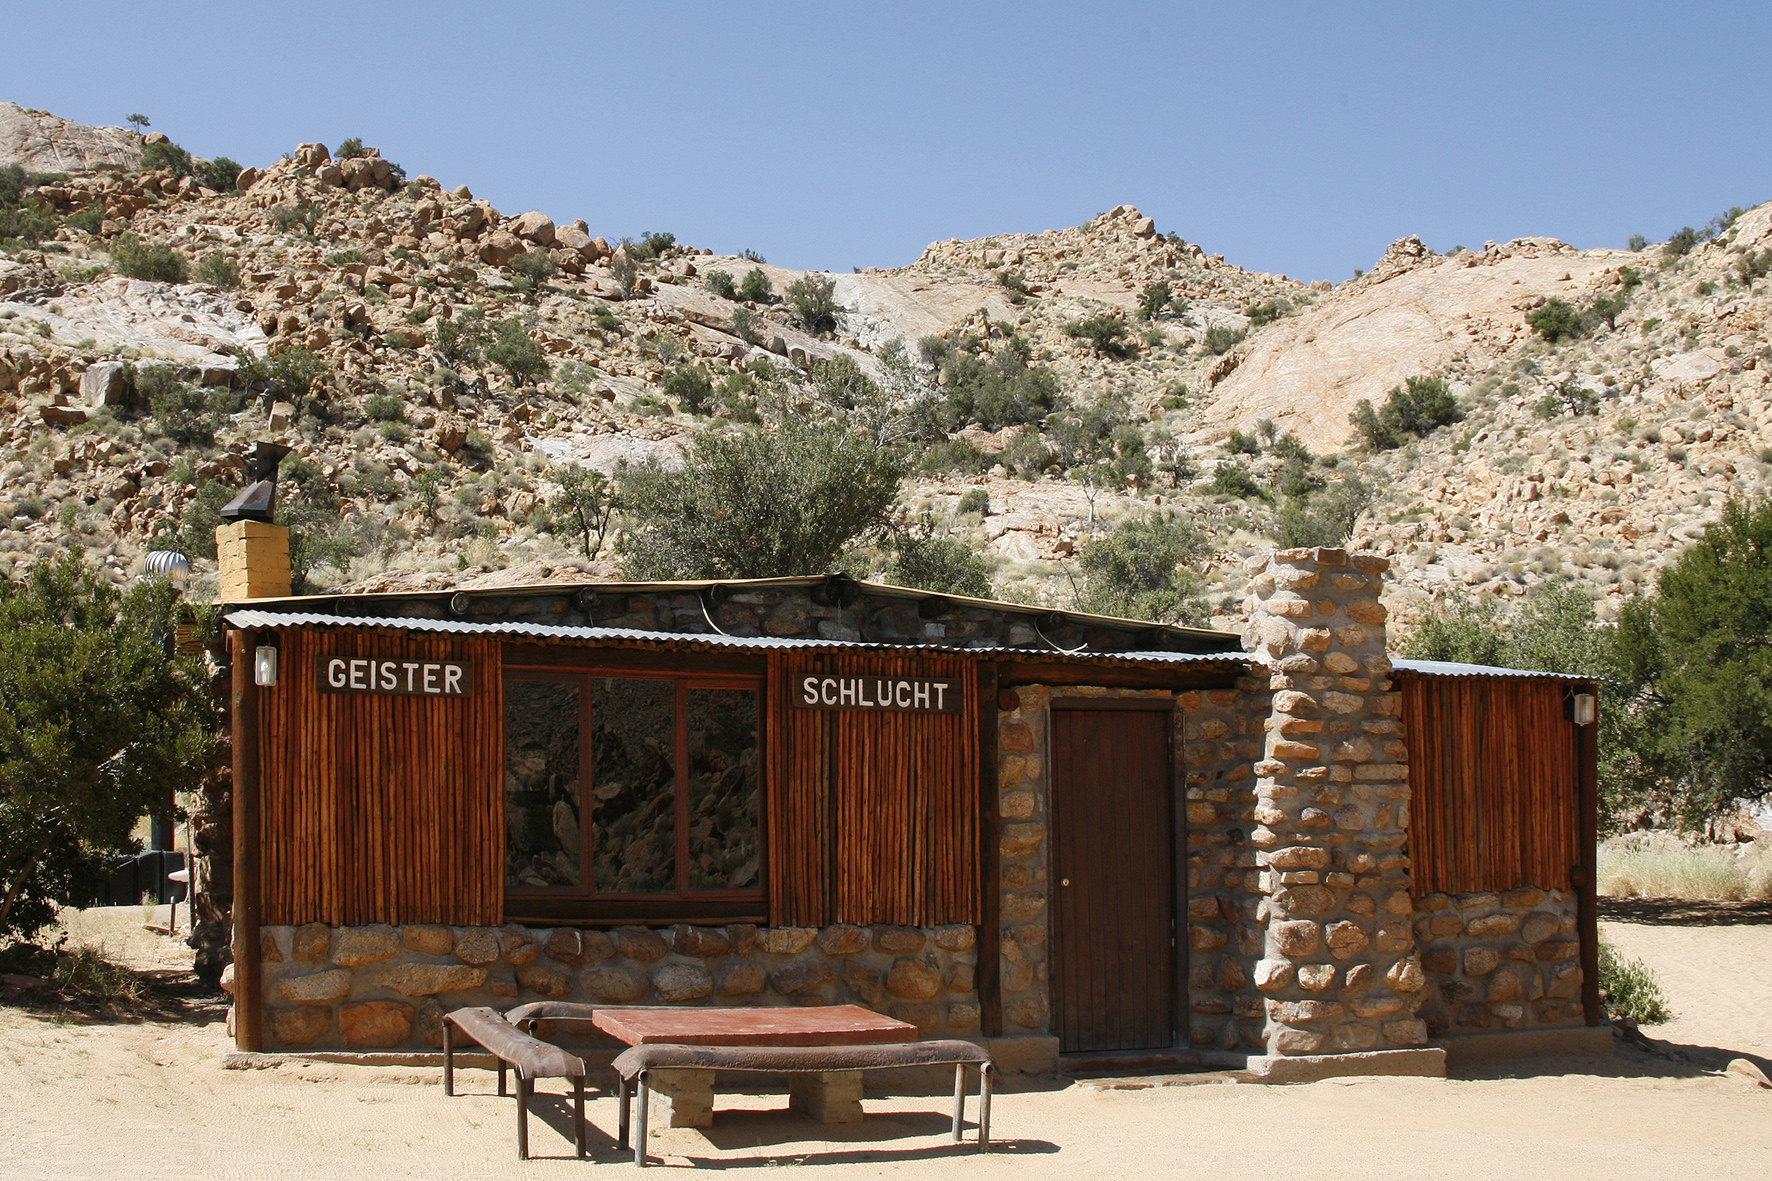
x=533, y=268
x=976, y=500
x=1233, y=479
x=651, y=244
x=1141, y=570
x=748, y=326
x=756, y=288
x=689, y=386
x=760, y=504
x=1005, y=389
x=384, y=408
x=1222, y=338
x=1557, y=319
x=350, y=149
x=1638, y=243
x=1324, y=518
x=721, y=284
x=750, y=255
x=1154, y=299
x=1104, y=333
x=1416, y=408
x=166, y=155
x=156, y=262
x=186, y=413
x=925, y=560
x=1265, y=313
x=587, y=499
x=953, y=456
x=218, y=270
x=812, y=299
x=513, y=351
x=1240, y=444
x=1629, y=989
x=290, y=218
x=220, y=174
x=1018, y=288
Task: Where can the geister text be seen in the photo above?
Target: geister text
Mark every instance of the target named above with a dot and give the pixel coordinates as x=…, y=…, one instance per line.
x=899, y=695
x=406, y=678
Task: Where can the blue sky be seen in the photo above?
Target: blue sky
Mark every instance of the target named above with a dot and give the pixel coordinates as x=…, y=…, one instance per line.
x=1291, y=137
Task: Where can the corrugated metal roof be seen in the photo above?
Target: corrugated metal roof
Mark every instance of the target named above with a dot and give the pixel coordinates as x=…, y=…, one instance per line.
x=252, y=618
x=1451, y=668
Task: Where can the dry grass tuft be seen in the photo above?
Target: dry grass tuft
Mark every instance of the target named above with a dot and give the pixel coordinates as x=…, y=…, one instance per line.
x=1722, y=873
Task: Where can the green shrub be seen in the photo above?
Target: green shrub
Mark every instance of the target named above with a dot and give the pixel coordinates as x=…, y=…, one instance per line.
x=1222, y=338
x=953, y=456
x=690, y=387
x=186, y=414
x=1415, y=408
x=384, y=408
x=1018, y=288
x=756, y=288
x=1241, y=444
x=350, y=149
x=721, y=284
x=218, y=270
x=343, y=258
x=813, y=301
x=1325, y=518
x=220, y=174
x=1638, y=243
x=1004, y=389
x=294, y=371
x=289, y=218
x=462, y=340
x=513, y=351
x=1682, y=243
x=976, y=500
x=12, y=185
x=166, y=155
x=1141, y=570
x=1104, y=333
x=1629, y=989
x=1233, y=479
x=1556, y=320
x=926, y=561
x=155, y=262
x=1155, y=298
x=748, y=326
x=650, y=245
x=750, y=255
x=533, y=267
x=1265, y=313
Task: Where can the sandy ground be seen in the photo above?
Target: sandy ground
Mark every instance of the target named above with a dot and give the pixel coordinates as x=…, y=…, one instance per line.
x=91, y=1097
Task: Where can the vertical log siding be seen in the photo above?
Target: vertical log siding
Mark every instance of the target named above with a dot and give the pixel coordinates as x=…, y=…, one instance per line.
x=874, y=817
x=382, y=809
x=1494, y=786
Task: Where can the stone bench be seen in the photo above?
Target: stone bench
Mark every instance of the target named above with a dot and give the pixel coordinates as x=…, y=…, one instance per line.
x=530, y=1057
x=824, y=1081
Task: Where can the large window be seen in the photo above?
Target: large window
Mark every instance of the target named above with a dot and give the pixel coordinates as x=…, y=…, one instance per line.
x=630, y=796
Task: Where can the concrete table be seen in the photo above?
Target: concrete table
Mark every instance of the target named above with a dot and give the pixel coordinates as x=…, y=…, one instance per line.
x=687, y=1096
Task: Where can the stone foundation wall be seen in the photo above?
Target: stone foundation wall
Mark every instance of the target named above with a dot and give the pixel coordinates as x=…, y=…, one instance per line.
x=1499, y=962
x=382, y=987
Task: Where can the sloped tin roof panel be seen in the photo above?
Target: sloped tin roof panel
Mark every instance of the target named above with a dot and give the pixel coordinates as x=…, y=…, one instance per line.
x=253, y=618
x=1452, y=668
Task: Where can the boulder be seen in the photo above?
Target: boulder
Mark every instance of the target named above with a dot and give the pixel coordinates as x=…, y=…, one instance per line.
x=499, y=248
x=534, y=226
x=677, y=983
x=105, y=383
x=375, y=1025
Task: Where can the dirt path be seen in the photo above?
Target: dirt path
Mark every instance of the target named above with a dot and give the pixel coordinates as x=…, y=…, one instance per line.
x=149, y=1099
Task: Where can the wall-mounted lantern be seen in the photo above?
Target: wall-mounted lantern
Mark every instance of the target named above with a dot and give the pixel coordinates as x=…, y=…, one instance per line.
x=264, y=665
x=1584, y=709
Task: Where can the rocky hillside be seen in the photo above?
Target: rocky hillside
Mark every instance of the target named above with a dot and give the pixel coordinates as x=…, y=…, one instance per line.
x=394, y=332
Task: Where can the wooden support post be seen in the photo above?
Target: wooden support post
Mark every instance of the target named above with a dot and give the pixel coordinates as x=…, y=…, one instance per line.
x=248, y=990
x=1587, y=913
x=990, y=875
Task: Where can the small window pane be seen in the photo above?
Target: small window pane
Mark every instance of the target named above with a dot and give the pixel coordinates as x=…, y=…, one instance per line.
x=724, y=849
x=634, y=783
x=543, y=838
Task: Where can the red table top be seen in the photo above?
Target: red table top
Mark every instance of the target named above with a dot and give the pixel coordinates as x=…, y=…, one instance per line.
x=821, y=1025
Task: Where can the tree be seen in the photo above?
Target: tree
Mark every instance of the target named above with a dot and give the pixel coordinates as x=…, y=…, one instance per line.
x=1140, y=570
x=589, y=498
x=1555, y=320
x=97, y=724
x=1324, y=518
x=1155, y=298
x=1105, y=335
x=1695, y=658
x=759, y=504
x=1416, y=408
x=814, y=302
x=927, y=561
x=513, y=351
x=141, y=124
x=168, y=155
x=755, y=287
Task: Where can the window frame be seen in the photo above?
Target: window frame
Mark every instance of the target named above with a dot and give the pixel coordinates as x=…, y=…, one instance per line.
x=583, y=903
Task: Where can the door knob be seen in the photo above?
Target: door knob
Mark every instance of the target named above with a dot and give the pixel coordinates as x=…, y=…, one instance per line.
x=1064, y=881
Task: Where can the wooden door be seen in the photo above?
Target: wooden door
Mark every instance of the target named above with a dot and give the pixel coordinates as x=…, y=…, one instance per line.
x=1114, y=962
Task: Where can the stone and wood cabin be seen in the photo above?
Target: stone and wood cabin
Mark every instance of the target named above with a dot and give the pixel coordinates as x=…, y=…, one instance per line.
x=1055, y=833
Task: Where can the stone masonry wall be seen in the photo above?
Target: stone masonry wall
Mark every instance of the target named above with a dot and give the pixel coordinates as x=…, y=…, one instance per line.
x=382, y=987
x=1338, y=971
x=1499, y=962
x=1222, y=738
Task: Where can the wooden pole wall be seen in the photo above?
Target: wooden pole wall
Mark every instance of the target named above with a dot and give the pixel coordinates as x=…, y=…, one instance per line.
x=248, y=974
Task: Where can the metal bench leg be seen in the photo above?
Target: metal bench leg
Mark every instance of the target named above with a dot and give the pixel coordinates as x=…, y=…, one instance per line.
x=622, y=1123
x=578, y=1113
x=501, y=1077
x=959, y=1098
x=640, y=1081
x=524, y=1086
x=448, y=1061
x=985, y=1074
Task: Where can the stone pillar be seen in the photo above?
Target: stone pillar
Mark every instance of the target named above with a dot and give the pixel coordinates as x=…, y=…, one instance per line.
x=829, y=1097
x=681, y=1098
x=1338, y=972
x=252, y=560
